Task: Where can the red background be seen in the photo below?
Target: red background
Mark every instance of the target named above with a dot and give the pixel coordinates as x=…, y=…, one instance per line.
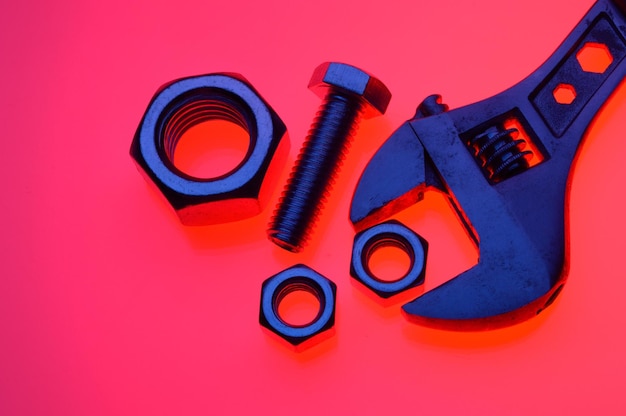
x=109, y=306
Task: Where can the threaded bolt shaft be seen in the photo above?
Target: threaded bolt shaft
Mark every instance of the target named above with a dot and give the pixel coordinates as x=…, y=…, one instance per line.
x=316, y=167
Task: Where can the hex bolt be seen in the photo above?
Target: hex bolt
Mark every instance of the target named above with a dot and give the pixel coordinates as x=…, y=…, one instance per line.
x=348, y=94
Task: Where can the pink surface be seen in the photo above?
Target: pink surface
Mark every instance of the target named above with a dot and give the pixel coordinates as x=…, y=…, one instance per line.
x=109, y=306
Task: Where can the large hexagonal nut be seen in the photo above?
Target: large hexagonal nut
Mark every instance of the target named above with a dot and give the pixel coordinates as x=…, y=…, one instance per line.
x=183, y=103
x=298, y=278
x=395, y=234
x=351, y=80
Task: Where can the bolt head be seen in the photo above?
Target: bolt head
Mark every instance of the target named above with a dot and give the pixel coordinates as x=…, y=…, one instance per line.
x=351, y=80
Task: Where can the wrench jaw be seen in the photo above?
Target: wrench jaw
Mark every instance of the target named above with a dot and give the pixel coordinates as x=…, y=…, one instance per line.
x=420, y=315
x=490, y=295
x=396, y=178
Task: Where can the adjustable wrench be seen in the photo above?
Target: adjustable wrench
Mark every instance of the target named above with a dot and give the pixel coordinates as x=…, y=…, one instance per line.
x=504, y=164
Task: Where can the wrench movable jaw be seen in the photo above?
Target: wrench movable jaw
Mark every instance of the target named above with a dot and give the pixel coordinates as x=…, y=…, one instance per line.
x=396, y=178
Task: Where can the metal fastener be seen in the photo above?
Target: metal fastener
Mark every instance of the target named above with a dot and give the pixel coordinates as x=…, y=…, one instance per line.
x=348, y=94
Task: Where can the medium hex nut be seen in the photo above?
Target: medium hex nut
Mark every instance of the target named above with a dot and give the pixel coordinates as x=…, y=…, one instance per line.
x=298, y=277
x=185, y=102
x=395, y=234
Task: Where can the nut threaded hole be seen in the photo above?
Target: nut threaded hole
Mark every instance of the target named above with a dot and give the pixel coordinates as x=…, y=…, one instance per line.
x=206, y=134
x=388, y=258
x=298, y=303
x=211, y=149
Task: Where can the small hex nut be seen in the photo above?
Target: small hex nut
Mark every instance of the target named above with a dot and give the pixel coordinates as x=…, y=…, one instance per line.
x=185, y=102
x=352, y=80
x=390, y=233
x=298, y=277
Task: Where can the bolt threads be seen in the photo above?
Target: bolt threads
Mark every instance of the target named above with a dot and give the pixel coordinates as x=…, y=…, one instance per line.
x=315, y=169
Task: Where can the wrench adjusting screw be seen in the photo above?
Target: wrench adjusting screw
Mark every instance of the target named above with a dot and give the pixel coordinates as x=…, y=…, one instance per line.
x=348, y=94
